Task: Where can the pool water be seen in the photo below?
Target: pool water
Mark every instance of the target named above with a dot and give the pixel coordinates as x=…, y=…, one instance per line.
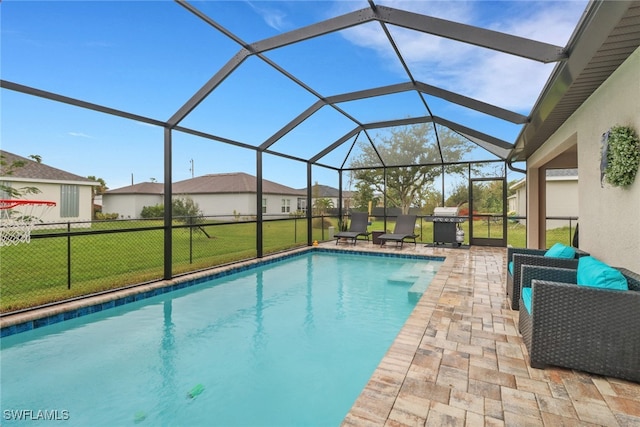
x=290, y=343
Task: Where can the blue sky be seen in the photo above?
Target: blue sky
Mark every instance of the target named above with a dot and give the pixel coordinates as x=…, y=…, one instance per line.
x=150, y=57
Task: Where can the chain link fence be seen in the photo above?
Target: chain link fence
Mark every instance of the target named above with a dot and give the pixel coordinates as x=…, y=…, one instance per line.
x=66, y=261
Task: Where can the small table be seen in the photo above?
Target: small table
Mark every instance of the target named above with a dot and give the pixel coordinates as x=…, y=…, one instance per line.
x=375, y=237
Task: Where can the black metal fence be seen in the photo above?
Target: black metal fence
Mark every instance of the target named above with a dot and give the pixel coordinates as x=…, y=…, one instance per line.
x=71, y=260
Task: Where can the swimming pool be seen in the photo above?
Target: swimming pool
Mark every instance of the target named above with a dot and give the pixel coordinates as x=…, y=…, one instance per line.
x=288, y=343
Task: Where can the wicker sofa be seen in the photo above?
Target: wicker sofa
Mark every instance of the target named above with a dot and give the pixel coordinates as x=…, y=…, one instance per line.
x=522, y=256
x=581, y=327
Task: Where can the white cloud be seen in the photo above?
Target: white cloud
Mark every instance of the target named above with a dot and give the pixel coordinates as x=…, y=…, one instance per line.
x=80, y=135
x=497, y=78
x=273, y=17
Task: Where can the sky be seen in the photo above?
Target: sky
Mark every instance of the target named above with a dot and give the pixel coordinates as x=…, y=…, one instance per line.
x=149, y=57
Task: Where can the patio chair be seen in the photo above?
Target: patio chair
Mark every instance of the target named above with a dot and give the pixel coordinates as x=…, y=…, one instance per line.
x=517, y=257
x=404, y=229
x=582, y=327
x=357, y=228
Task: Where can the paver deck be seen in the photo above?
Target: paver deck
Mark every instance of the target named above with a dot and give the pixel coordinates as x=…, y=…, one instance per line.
x=460, y=361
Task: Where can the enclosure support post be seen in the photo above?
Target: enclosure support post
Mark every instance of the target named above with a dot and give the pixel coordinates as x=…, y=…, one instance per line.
x=259, y=236
x=309, y=207
x=168, y=232
x=340, y=213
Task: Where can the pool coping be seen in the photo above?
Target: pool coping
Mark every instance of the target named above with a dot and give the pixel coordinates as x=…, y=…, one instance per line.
x=11, y=324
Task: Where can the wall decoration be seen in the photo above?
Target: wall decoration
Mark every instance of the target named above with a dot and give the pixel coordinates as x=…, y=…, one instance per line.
x=620, y=156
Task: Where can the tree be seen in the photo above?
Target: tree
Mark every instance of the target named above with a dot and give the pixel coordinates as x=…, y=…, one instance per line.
x=417, y=156
x=101, y=188
x=320, y=204
x=185, y=209
x=363, y=195
x=96, y=190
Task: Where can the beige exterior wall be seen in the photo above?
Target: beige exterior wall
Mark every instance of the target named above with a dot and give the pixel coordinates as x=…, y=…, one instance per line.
x=561, y=201
x=50, y=191
x=609, y=228
x=129, y=206
x=225, y=206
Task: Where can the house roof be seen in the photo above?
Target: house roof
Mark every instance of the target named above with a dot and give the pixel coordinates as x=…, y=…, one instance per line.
x=552, y=175
x=140, y=188
x=235, y=183
x=34, y=171
x=319, y=190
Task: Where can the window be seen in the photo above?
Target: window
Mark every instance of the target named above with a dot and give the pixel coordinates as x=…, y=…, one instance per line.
x=302, y=205
x=264, y=206
x=69, y=201
x=286, y=205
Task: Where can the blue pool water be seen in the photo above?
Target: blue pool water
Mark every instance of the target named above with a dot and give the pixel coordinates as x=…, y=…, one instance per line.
x=291, y=343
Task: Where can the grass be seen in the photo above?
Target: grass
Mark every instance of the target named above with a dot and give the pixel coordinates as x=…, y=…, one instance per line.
x=37, y=273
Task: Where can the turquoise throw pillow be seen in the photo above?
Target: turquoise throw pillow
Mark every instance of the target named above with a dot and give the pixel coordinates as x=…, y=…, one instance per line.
x=511, y=268
x=595, y=273
x=526, y=298
x=559, y=250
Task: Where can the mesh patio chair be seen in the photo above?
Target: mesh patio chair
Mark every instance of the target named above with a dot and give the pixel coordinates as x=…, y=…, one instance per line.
x=580, y=327
x=405, y=228
x=357, y=228
x=525, y=256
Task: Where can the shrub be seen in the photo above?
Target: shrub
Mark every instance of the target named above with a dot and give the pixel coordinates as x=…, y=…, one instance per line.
x=106, y=216
x=156, y=211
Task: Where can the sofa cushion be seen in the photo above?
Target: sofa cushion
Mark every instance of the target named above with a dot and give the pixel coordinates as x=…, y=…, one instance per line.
x=595, y=273
x=559, y=250
x=511, y=268
x=526, y=298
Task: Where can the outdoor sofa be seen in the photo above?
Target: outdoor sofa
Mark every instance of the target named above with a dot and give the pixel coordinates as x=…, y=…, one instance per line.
x=559, y=256
x=576, y=318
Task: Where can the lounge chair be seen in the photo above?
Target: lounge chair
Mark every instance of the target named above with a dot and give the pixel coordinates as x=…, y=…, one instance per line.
x=357, y=228
x=405, y=229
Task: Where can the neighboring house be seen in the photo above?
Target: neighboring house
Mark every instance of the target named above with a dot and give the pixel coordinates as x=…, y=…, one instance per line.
x=319, y=191
x=561, y=196
x=226, y=195
x=71, y=193
x=128, y=201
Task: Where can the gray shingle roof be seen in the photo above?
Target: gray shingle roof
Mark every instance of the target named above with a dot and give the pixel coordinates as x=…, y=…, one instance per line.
x=141, y=188
x=33, y=170
x=326, y=191
x=237, y=182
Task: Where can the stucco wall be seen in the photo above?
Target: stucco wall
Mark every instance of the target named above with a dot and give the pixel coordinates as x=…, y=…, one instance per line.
x=129, y=206
x=51, y=192
x=562, y=200
x=609, y=226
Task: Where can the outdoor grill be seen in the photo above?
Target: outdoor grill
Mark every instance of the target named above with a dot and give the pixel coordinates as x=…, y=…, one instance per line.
x=445, y=224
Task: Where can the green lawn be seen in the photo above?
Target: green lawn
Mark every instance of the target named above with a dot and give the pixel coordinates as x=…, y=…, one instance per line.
x=37, y=273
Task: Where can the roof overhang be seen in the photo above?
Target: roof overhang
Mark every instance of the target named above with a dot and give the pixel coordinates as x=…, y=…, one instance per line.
x=607, y=34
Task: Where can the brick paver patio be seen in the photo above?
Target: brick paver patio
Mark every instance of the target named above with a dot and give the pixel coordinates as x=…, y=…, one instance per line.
x=460, y=361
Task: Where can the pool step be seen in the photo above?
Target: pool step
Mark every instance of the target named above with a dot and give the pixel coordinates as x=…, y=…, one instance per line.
x=416, y=276
x=411, y=273
x=420, y=285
